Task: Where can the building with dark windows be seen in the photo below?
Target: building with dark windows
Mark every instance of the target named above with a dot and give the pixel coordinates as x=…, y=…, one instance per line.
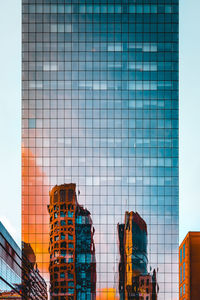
x=72, y=252
x=189, y=264
x=135, y=282
x=100, y=108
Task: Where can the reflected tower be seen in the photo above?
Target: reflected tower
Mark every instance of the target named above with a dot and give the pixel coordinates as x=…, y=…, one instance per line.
x=62, y=242
x=72, y=252
x=134, y=280
x=85, y=255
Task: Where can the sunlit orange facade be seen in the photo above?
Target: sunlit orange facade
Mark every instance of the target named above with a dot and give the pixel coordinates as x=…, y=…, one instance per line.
x=189, y=266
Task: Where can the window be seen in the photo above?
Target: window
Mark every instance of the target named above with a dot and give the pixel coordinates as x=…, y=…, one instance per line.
x=184, y=251
x=70, y=214
x=62, y=275
x=70, y=195
x=62, y=236
x=56, y=196
x=62, y=195
x=181, y=274
x=50, y=66
x=70, y=237
x=70, y=283
x=70, y=276
x=63, y=252
x=31, y=123
x=181, y=291
x=70, y=260
x=115, y=47
x=168, y=9
x=56, y=253
x=184, y=289
x=62, y=214
x=181, y=255
x=70, y=291
x=183, y=271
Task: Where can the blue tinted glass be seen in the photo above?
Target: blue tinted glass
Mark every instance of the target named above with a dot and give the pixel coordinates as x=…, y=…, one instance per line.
x=100, y=88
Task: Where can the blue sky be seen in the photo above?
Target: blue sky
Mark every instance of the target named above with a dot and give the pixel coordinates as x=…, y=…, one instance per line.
x=10, y=116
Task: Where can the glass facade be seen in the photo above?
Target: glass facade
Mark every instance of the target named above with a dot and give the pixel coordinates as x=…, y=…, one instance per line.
x=100, y=110
x=10, y=264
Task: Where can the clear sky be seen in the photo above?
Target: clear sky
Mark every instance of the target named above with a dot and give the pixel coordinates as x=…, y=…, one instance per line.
x=10, y=116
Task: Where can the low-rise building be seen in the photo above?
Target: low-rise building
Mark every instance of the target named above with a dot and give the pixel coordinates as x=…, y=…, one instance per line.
x=10, y=266
x=189, y=266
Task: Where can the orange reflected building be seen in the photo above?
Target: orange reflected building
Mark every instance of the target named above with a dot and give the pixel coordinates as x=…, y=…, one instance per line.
x=189, y=266
x=62, y=242
x=72, y=252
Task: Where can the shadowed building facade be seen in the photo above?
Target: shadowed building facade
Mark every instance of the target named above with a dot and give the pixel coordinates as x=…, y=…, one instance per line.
x=189, y=266
x=72, y=252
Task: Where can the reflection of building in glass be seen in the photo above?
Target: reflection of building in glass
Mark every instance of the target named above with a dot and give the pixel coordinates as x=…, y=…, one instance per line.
x=134, y=280
x=189, y=266
x=72, y=253
x=10, y=266
x=85, y=255
x=100, y=108
x=19, y=275
x=33, y=284
x=62, y=241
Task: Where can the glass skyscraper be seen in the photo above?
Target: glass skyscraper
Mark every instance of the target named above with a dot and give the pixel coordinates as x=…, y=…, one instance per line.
x=100, y=110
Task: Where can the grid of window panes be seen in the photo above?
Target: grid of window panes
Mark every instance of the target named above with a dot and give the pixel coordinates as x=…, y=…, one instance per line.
x=10, y=262
x=100, y=109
